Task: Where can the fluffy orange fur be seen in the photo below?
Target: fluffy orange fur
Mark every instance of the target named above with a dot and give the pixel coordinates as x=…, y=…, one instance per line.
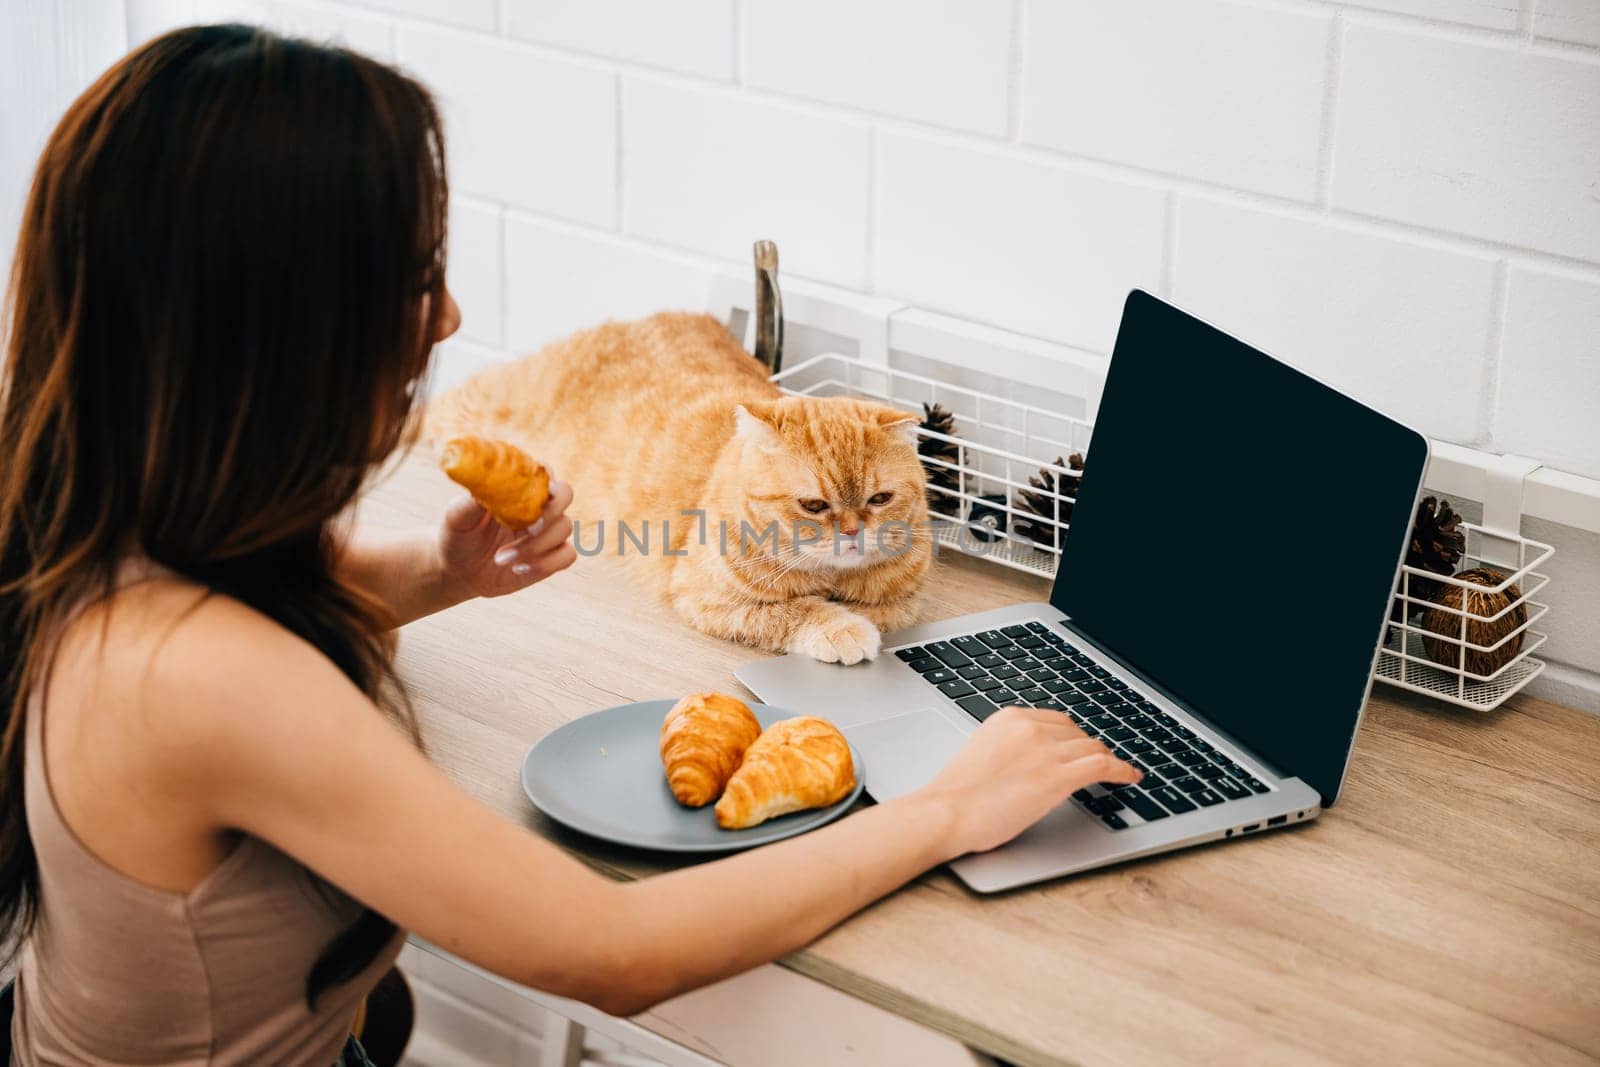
x=650, y=419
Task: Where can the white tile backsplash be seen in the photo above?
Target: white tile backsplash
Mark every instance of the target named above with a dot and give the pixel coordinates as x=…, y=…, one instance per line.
x=477, y=14
x=1577, y=21
x=1221, y=92
x=711, y=170
x=1552, y=335
x=474, y=269
x=1413, y=328
x=1484, y=140
x=561, y=279
x=1491, y=14
x=1038, y=249
x=522, y=129
x=944, y=62
x=693, y=36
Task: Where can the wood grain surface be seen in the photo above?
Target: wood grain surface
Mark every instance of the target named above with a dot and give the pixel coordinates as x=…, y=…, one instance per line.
x=1446, y=911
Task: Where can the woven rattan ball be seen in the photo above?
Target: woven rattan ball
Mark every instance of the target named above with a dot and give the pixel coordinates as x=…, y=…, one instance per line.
x=1485, y=603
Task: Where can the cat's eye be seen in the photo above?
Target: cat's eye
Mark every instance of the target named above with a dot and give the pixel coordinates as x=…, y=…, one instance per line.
x=878, y=500
x=814, y=507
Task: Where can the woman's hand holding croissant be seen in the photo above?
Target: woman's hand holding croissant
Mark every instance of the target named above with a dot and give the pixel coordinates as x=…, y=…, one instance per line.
x=487, y=559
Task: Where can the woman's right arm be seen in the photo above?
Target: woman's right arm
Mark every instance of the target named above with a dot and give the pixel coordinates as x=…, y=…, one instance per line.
x=273, y=740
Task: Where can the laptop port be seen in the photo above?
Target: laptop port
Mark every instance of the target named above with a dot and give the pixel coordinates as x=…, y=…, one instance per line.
x=1252, y=826
x=1277, y=820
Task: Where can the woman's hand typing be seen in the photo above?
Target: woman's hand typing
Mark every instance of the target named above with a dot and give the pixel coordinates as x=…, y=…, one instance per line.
x=1017, y=766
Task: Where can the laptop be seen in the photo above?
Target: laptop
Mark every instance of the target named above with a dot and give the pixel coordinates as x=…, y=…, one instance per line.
x=1220, y=601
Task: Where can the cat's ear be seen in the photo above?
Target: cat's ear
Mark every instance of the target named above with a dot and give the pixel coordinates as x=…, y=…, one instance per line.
x=901, y=423
x=753, y=428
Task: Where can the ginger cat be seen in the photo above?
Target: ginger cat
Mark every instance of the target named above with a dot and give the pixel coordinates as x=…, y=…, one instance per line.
x=815, y=530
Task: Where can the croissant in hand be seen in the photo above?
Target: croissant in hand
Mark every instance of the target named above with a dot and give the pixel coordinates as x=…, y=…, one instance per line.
x=703, y=739
x=796, y=764
x=500, y=476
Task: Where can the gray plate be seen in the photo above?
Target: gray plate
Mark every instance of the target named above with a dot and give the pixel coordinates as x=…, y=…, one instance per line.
x=602, y=775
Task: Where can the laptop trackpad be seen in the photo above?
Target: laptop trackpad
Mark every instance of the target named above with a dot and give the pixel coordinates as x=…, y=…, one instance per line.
x=903, y=754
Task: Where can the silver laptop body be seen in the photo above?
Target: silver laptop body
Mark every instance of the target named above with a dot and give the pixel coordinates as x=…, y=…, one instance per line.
x=906, y=732
x=907, y=729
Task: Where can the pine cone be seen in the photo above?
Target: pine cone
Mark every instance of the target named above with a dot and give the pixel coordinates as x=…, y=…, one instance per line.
x=1042, y=502
x=1437, y=545
x=938, y=419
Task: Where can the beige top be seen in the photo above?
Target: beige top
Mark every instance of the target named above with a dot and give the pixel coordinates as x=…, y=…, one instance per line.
x=118, y=972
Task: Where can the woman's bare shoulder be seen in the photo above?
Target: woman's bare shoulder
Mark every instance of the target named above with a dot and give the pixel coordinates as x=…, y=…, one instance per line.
x=148, y=711
x=169, y=670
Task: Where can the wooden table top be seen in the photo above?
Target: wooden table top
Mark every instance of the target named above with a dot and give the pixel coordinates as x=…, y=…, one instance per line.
x=1447, y=910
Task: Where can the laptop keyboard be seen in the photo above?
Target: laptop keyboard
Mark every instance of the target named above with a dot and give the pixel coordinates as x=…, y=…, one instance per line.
x=1033, y=665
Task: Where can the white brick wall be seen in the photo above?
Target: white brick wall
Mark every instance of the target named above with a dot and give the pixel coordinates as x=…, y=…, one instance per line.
x=1409, y=350
x=1177, y=86
x=704, y=168
x=692, y=36
x=477, y=269
x=1493, y=14
x=1559, y=423
x=523, y=128
x=566, y=278
x=1569, y=20
x=1487, y=140
x=952, y=71
x=1370, y=188
x=479, y=14
x=1034, y=247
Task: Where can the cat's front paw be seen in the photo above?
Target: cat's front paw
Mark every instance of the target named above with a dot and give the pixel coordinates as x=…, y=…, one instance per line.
x=842, y=637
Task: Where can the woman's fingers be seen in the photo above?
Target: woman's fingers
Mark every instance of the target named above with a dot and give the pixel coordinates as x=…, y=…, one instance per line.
x=1103, y=767
x=464, y=514
x=1038, y=717
x=1085, y=759
x=522, y=554
x=552, y=528
x=536, y=542
x=560, y=500
x=1058, y=722
x=1080, y=747
x=546, y=564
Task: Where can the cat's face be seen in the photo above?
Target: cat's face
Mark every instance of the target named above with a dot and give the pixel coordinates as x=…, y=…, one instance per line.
x=830, y=482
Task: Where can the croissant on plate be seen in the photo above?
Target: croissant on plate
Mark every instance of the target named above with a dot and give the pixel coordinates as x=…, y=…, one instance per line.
x=703, y=740
x=796, y=764
x=500, y=476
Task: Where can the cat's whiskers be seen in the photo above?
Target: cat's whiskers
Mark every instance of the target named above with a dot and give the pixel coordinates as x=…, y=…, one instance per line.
x=793, y=560
x=750, y=561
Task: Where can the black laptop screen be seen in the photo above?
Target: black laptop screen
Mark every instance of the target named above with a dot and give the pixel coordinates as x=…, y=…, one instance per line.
x=1237, y=534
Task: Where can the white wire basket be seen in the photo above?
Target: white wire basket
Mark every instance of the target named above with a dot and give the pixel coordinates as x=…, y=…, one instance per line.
x=1474, y=660
x=1005, y=443
x=1002, y=443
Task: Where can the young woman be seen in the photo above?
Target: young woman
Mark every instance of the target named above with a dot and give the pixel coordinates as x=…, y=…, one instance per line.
x=214, y=818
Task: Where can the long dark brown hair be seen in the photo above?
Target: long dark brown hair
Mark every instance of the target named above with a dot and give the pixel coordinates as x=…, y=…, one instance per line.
x=215, y=330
